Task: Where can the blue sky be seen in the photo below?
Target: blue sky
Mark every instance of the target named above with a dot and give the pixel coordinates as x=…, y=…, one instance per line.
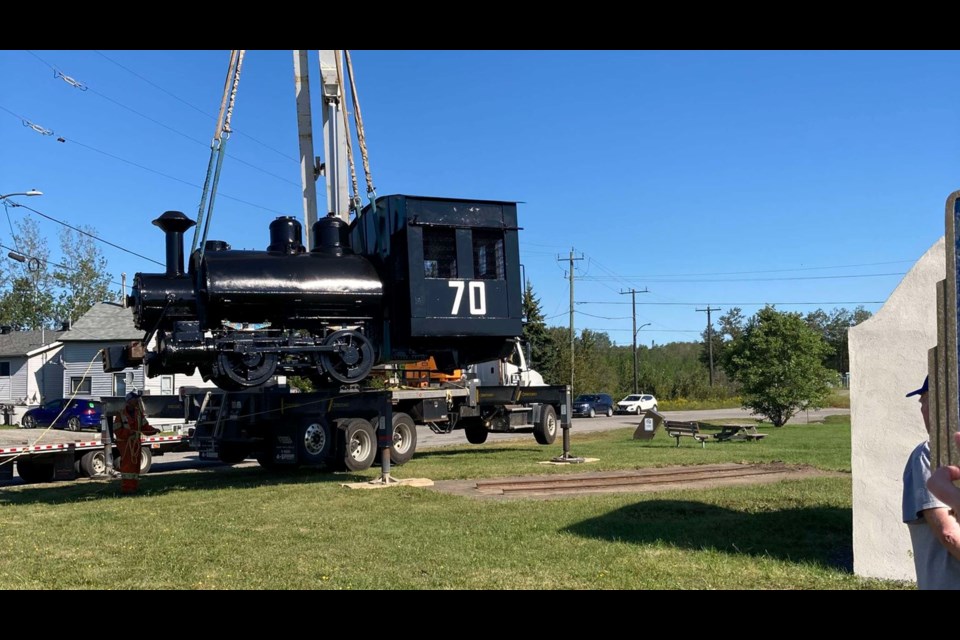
x=708, y=178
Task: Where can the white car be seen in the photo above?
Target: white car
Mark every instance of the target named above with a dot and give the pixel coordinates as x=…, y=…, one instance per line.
x=637, y=403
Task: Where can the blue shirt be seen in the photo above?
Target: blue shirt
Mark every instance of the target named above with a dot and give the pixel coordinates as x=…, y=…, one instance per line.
x=936, y=568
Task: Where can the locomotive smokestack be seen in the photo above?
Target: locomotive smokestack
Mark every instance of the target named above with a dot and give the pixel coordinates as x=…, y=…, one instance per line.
x=174, y=223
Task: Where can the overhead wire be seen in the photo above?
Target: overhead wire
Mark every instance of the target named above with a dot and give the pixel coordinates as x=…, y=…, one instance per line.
x=161, y=124
x=62, y=139
x=192, y=106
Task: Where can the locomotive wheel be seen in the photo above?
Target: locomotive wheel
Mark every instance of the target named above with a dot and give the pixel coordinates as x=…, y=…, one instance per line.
x=235, y=371
x=352, y=360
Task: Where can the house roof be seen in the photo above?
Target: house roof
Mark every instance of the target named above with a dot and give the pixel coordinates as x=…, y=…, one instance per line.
x=104, y=322
x=21, y=343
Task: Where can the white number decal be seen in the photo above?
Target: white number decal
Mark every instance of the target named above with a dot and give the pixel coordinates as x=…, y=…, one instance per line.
x=478, y=297
x=458, y=285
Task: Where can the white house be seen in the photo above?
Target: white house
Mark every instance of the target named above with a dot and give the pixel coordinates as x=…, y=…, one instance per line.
x=30, y=371
x=109, y=324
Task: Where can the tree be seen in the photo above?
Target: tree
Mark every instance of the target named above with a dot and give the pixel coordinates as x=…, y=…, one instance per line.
x=543, y=351
x=778, y=361
x=728, y=327
x=83, y=277
x=833, y=328
x=28, y=298
x=38, y=292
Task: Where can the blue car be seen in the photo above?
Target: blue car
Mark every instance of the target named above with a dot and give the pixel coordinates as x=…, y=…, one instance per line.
x=590, y=404
x=79, y=414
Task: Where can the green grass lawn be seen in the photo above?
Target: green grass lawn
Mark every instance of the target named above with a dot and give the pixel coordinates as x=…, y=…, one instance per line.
x=247, y=529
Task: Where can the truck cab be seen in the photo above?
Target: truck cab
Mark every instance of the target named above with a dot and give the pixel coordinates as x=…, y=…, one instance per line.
x=512, y=371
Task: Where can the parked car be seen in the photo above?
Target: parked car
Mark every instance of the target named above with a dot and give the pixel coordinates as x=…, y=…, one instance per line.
x=79, y=414
x=637, y=403
x=590, y=404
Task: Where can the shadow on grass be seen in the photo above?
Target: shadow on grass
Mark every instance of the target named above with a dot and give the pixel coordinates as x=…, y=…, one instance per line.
x=821, y=535
x=213, y=478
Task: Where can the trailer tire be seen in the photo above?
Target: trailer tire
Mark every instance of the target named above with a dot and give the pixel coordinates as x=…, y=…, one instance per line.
x=404, y=439
x=93, y=463
x=146, y=460
x=545, y=431
x=315, y=443
x=31, y=471
x=359, y=445
x=475, y=431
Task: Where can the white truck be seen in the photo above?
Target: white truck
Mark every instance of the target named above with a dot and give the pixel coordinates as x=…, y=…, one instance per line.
x=495, y=396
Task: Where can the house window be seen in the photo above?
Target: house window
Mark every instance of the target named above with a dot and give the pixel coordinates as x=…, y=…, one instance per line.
x=80, y=385
x=119, y=384
x=5, y=369
x=166, y=385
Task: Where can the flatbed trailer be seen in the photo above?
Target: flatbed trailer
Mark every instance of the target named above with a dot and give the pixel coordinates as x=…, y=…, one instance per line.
x=480, y=410
x=45, y=455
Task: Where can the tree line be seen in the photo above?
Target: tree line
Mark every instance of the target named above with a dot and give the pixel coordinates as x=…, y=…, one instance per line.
x=37, y=292
x=776, y=362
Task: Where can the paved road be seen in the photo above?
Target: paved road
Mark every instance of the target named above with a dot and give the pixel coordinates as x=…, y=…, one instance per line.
x=426, y=438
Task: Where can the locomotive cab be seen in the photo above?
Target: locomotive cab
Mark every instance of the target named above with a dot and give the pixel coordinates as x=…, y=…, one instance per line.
x=451, y=272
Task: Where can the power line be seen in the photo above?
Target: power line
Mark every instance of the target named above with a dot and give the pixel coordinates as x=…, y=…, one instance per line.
x=50, y=262
x=738, y=273
x=159, y=173
x=87, y=233
x=195, y=108
x=157, y=122
x=693, y=304
x=836, y=277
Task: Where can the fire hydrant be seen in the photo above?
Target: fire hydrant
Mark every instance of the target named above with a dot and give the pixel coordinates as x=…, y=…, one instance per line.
x=133, y=424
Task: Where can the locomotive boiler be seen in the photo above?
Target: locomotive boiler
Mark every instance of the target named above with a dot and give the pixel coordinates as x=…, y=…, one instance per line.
x=410, y=278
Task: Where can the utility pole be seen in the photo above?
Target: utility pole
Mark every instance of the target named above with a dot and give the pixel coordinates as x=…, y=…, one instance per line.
x=572, y=334
x=710, y=337
x=633, y=294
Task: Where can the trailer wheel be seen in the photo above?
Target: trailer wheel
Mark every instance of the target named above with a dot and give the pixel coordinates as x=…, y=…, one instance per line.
x=545, y=431
x=476, y=432
x=146, y=460
x=359, y=444
x=31, y=471
x=93, y=463
x=404, y=439
x=315, y=443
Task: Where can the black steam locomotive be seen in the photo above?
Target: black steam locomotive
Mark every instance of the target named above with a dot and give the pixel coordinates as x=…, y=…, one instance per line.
x=410, y=278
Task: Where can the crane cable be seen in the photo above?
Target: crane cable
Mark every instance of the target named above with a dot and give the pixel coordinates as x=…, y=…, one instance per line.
x=217, y=147
x=355, y=198
x=361, y=136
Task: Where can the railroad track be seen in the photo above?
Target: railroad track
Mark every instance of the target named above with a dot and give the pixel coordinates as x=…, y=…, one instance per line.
x=625, y=480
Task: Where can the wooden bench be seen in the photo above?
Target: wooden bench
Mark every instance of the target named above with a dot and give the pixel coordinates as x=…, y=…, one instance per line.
x=692, y=429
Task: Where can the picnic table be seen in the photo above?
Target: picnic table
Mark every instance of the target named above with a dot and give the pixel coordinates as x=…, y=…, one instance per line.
x=739, y=432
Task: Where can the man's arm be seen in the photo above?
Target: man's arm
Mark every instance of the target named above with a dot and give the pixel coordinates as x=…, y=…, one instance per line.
x=946, y=528
x=940, y=484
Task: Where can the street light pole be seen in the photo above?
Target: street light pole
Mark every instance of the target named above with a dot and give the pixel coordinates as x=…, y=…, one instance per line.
x=32, y=192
